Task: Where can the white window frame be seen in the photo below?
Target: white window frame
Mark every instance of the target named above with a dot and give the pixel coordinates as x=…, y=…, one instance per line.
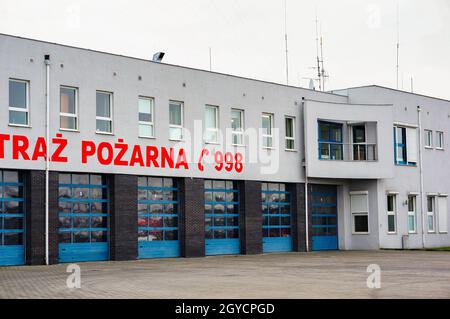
x=431, y=214
x=239, y=133
x=360, y=213
x=288, y=138
x=268, y=136
x=441, y=145
x=442, y=214
x=430, y=133
x=392, y=213
x=19, y=109
x=212, y=129
x=103, y=118
x=181, y=126
x=412, y=213
x=73, y=115
x=152, y=112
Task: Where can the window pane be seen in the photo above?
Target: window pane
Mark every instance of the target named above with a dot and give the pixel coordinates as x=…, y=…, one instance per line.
x=430, y=205
x=267, y=141
x=411, y=206
x=16, y=117
x=175, y=133
x=267, y=124
x=17, y=94
x=236, y=120
x=391, y=223
x=290, y=144
x=430, y=223
x=68, y=122
x=145, y=105
x=237, y=138
x=13, y=239
x=411, y=223
x=390, y=203
x=210, y=117
x=104, y=126
x=175, y=113
x=145, y=130
x=289, y=127
x=68, y=100
x=361, y=223
x=103, y=104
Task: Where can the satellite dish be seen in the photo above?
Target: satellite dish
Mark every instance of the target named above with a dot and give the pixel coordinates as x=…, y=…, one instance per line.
x=311, y=84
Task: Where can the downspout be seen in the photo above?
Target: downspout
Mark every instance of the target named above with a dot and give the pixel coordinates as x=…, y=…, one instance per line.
x=47, y=156
x=422, y=197
x=306, y=177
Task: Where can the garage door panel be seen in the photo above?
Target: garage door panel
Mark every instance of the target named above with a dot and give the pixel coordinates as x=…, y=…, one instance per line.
x=12, y=219
x=221, y=218
x=158, y=218
x=323, y=205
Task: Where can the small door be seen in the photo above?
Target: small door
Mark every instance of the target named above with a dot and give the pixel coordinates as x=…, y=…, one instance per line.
x=221, y=218
x=276, y=212
x=158, y=213
x=324, y=217
x=12, y=218
x=83, y=218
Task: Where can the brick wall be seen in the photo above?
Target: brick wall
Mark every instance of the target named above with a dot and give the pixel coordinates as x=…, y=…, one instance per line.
x=297, y=192
x=123, y=217
x=192, y=217
x=250, y=217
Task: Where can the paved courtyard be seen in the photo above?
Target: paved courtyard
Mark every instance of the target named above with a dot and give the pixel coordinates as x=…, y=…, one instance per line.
x=404, y=274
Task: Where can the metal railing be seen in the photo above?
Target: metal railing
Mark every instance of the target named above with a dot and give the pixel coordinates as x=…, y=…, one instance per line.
x=348, y=151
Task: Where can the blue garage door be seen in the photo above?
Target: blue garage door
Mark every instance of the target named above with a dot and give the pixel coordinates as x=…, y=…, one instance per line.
x=276, y=211
x=12, y=215
x=324, y=219
x=83, y=218
x=221, y=218
x=157, y=218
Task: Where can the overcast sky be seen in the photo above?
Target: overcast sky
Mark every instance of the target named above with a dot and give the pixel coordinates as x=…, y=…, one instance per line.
x=247, y=36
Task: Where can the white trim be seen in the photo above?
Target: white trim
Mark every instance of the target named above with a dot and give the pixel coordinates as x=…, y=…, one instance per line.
x=242, y=128
x=152, y=114
x=215, y=129
x=268, y=136
x=21, y=109
x=441, y=133
x=430, y=146
x=412, y=213
x=181, y=103
x=392, y=213
x=286, y=138
x=73, y=115
x=414, y=193
x=359, y=192
x=389, y=192
x=101, y=118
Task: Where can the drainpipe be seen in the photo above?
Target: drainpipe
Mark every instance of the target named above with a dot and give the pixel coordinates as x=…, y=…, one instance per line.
x=422, y=195
x=47, y=156
x=306, y=177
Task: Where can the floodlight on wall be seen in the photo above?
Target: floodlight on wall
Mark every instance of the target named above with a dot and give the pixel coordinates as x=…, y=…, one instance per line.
x=158, y=56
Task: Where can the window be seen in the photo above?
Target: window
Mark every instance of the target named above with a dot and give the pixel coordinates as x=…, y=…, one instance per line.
x=290, y=132
x=428, y=138
x=68, y=116
x=405, y=141
x=237, y=127
x=175, y=120
x=267, y=130
x=391, y=213
x=430, y=213
x=276, y=210
x=146, y=120
x=442, y=214
x=211, y=124
x=439, y=140
x=360, y=212
x=330, y=141
x=18, y=102
x=104, y=112
x=411, y=214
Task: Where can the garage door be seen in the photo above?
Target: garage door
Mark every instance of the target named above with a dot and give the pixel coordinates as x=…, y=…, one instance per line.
x=324, y=217
x=83, y=218
x=221, y=218
x=276, y=210
x=157, y=218
x=12, y=216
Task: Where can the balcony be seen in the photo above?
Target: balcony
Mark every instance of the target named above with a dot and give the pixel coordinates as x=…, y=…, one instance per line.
x=348, y=141
x=348, y=151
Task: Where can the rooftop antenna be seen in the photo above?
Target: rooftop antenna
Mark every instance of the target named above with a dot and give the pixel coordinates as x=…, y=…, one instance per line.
x=210, y=64
x=322, y=71
x=412, y=85
x=286, y=41
x=398, y=39
x=317, y=54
